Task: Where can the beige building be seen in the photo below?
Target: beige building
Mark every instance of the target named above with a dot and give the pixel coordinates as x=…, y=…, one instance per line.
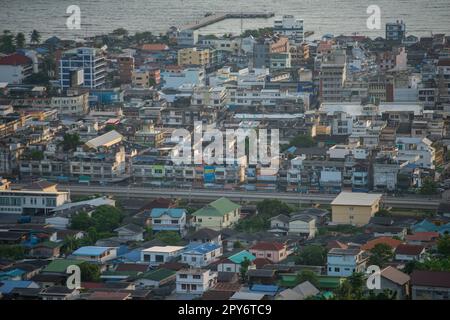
x=355, y=208
x=193, y=56
x=140, y=79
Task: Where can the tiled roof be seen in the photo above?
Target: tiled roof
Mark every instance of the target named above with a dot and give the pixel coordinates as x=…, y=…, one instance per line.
x=172, y=212
x=409, y=249
x=217, y=208
x=61, y=265
x=240, y=256
x=393, y=243
x=154, y=47
x=422, y=236
x=159, y=275
x=395, y=275
x=266, y=246
x=431, y=278
x=15, y=60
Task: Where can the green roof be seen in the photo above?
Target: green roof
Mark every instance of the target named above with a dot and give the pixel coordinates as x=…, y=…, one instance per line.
x=120, y=273
x=288, y=280
x=217, y=208
x=61, y=265
x=50, y=244
x=158, y=275
x=329, y=282
x=240, y=256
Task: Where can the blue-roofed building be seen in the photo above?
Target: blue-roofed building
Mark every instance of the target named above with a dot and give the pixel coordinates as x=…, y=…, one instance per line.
x=233, y=262
x=201, y=255
x=7, y=286
x=427, y=226
x=168, y=219
x=95, y=254
x=270, y=290
x=132, y=256
x=14, y=274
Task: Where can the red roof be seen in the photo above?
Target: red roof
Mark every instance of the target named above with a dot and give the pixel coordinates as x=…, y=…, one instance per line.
x=391, y=242
x=106, y=295
x=15, y=60
x=261, y=262
x=268, y=246
x=409, y=249
x=132, y=267
x=92, y=285
x=422, y=236
x=154, y=47
x=444, y=63
x=431, y=278
x=336, y=244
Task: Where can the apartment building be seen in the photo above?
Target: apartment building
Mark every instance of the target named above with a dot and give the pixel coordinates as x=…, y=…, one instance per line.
x=194, y=57
x=82, y=67
x=332, y=76
x=195, y=281
x=290, y=27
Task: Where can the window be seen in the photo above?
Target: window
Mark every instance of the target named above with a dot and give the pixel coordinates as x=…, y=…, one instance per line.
x=193, y=287
x=337, y=269
x=183, y=286
x=183, y=276
x=196, y=276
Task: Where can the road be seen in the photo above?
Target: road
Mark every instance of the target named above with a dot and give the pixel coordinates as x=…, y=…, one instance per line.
x=195, y=194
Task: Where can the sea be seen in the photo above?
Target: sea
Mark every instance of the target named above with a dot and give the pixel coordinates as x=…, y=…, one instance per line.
x=334, y=17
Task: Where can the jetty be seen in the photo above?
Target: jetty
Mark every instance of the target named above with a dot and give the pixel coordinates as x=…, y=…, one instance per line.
x=217, y=17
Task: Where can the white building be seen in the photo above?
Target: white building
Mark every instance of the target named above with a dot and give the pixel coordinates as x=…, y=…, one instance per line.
x=32, y=200
x=291, y=27
x=344, y=262
x=71, y=105
x=15, y=68
x=201, y=255
x=189, y=77
x=302, y=225
x=157, y=255
x=416, y=150
x=195, y=281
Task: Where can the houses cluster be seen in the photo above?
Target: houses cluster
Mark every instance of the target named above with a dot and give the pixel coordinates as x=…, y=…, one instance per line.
x=357, y=118
x=375, y=109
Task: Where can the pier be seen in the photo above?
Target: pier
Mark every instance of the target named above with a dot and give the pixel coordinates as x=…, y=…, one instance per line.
x=217, y=17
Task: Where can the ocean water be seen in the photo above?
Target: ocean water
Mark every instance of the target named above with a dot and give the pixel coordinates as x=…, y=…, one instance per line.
x=321, y=16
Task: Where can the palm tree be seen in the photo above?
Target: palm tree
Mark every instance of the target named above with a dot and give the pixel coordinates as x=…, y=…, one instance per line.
x=7, y=42
x=35, y=37
x=20, y=40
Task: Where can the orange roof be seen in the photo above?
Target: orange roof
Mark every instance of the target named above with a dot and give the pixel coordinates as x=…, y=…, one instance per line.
x=336, y=244
x=393, y=243
x=154, y=47
x=422, y=236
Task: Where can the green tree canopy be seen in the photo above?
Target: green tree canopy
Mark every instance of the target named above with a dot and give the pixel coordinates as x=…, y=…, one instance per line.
x=90, y=272
x=380, y=254
x=443, y=245
x=170, y=238
x=429, y=187
x=71, y=141
x=312, y=255
x=308, y=275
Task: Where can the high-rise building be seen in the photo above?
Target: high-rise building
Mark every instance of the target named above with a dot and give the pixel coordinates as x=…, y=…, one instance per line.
x=126, y=66
x=82, y=67
x=290, y=27
x=332, y=76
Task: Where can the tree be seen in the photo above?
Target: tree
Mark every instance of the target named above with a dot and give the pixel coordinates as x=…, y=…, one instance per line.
x=244, y=269
x=106, y=218
x=383, y=213
x=14, y=252
x=170, y=238
x=312, y=255
x=380, y=254
x=38, y=78
x=81, y=221
x=308, y=275
x=35, y=37
x=302, y=141
x=443, y=245
x=356, y=281
x=429, y=187
x=36, y=155
x=70, y=244
x=90, y=272
x=7, y=42
x=71, y=141
x=120, y=32
x=20, y=40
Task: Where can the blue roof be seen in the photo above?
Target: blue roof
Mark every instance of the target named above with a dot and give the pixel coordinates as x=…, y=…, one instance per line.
x=133, y=256
x=90, y=251
x=172, y=212
x=7, y=286
x=201, y=248
x=264, y=288
x=239, y=257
